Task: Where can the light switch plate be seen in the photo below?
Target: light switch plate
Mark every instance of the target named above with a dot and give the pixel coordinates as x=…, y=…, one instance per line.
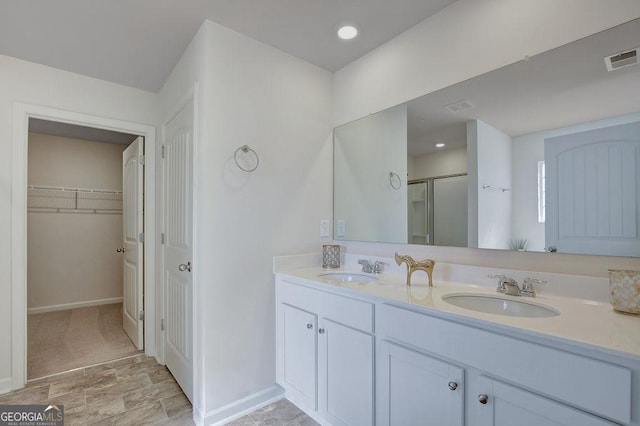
x=324, y=228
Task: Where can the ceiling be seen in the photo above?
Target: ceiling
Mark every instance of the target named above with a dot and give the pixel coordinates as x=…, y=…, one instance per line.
x=137, y=43
x=74, y=131
x=559, y=88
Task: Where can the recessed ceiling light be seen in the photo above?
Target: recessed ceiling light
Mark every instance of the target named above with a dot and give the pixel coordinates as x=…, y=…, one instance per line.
x=439, y=145
x=347, y=32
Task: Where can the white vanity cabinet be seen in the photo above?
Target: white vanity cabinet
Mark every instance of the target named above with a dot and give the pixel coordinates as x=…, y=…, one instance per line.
x=438, y=368
x=299, y=348
x=505, y=405
x=414, y=388
x=325, y=353
x=508, y=381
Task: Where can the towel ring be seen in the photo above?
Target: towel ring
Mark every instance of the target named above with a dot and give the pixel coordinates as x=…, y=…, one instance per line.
x=245, y=149
x=397, y=176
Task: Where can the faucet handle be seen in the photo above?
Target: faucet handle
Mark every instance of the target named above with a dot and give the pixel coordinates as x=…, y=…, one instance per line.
x=501, y=278
x=527, y=286
x=366, y=265
x=378, y=267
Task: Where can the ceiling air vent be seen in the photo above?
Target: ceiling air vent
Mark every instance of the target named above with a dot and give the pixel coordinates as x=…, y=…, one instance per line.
x=459, y=106
x=622, y=59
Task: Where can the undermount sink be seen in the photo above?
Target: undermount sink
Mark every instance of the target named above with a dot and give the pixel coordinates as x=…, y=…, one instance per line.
x=346, y=277
x=500, y=305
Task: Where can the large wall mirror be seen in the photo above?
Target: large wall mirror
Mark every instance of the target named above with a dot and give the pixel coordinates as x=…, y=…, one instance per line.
x=540, y=155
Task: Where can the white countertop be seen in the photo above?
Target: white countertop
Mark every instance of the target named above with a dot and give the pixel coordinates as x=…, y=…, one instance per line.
x=584, y=322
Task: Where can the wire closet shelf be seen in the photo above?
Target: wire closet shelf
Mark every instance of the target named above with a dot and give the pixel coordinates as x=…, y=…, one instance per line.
x=48, y=199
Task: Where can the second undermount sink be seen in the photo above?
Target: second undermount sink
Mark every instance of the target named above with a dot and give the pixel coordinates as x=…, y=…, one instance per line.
x=500, y=305
x=347, y=277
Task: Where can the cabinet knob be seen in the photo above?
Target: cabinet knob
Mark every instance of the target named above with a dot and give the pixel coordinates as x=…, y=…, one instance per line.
x=483, y=398
x=321, y=330
x=309, y=326
x=453, y=386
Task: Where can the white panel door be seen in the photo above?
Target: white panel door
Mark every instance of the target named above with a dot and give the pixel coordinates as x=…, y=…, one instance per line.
x=345, y=374
x=177, y=248
x=593, y=191
x=132, y=226
x=504, y=405
x=416, y=389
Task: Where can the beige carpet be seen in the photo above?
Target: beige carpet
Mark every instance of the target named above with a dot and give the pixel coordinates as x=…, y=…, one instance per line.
x=63, y=340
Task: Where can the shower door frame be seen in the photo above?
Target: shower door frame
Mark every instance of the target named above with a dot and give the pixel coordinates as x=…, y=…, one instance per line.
x=429, y=203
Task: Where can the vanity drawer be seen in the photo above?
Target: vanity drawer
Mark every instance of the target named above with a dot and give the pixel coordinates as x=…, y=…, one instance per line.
x=345, y=310
x=591, y=385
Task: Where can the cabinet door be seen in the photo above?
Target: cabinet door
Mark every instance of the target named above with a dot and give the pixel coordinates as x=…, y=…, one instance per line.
x=345, y=369
x=506, y=405
x=416, y=389
x=299, y=351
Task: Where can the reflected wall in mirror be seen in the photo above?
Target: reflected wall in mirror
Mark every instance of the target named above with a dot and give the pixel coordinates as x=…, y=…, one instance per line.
x=370, y=169
x=546, y=148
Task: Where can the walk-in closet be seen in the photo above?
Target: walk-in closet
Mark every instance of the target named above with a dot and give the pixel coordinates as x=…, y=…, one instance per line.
x=74, y=247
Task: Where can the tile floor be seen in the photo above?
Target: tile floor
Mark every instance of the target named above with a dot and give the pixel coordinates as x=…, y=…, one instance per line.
x=64, y=340
x=133, y=391
x=281, y=413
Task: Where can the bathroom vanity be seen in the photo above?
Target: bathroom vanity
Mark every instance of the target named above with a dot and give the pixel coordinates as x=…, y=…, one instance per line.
x=362, y=349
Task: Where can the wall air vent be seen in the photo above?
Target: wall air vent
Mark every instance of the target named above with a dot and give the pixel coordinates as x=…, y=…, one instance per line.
x=459, y=106
x=622, y=59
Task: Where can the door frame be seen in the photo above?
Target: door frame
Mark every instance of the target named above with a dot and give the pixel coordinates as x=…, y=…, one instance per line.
x=22, y=112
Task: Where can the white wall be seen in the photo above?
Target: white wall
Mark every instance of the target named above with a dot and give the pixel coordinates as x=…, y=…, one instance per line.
x=492, y=167
x=22, y=81
x=280, y=106
x=71, y=257
x=464, y=40
x=440, y=163
x=365, y=152
x=527, y=150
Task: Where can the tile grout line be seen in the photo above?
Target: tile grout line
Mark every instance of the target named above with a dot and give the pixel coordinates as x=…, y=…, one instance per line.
x=84, y=369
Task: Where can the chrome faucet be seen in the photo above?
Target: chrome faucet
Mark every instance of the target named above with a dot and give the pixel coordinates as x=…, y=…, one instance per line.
x=527, y=286
x=506, y=285
x=367, y=266
x=510, y=287
x=371, y=268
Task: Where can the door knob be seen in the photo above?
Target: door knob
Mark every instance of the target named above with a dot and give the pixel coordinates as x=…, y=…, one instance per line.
x=321, y=331
x=483, y=398
x=120, y=250
x=185, y=267
x=453, y=386
x=309, y=326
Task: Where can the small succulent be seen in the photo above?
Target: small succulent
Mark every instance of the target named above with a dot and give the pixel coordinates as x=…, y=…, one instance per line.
x=519, y=244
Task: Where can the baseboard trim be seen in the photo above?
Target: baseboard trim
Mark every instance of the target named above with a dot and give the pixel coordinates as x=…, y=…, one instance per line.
x=75, y=305
x=244, y=406
x=6, y=385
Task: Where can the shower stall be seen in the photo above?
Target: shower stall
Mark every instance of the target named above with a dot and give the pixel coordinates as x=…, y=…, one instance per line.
x=437, y=210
